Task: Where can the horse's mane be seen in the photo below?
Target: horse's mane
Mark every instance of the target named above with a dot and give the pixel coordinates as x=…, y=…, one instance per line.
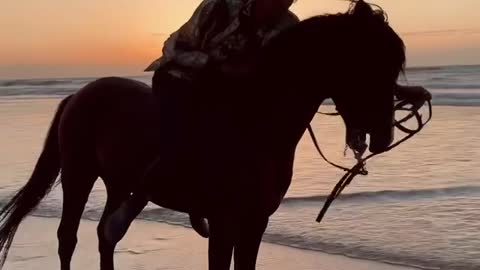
x=364, y=12
x=365, y=17
x=360, y=40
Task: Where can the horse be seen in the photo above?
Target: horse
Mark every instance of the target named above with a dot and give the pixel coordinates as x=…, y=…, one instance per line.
x=232, y=161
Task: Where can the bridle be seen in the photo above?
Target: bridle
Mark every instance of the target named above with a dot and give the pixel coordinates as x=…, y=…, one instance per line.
x=401, y=105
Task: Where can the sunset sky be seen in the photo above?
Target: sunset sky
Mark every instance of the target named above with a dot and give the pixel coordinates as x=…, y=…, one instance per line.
x=58, y=38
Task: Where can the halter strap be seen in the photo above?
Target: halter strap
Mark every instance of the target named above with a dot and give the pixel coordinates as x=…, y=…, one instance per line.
x=359, y=167
x=317, y=146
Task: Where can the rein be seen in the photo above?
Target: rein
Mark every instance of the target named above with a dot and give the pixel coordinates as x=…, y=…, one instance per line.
x=359, y=168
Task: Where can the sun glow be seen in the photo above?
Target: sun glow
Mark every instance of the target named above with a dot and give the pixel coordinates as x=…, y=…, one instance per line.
x=128, y=35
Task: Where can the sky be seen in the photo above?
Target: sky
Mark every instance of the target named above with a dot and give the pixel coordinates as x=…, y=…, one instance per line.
x=58, y=38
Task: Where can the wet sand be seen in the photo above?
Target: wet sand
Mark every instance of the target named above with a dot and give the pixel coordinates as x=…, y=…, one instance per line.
x=152, y=245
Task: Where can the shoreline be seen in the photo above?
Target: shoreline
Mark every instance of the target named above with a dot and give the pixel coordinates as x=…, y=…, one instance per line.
x=147, y=74
x=150, y=243
x=52, y=97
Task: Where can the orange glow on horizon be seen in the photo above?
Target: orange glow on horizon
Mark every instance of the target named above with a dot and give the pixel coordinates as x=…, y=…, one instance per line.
x=130, y=34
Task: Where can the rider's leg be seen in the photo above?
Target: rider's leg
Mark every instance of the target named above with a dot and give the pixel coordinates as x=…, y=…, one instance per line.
x=117, y=224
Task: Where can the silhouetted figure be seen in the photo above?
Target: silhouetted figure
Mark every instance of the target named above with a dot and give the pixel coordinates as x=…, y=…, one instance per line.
x=232, y=155
x=223, y=37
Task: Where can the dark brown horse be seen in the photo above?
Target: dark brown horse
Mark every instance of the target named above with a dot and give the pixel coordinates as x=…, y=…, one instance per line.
x=232, y=155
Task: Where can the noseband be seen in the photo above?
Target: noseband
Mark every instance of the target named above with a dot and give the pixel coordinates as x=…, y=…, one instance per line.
x=402, y=105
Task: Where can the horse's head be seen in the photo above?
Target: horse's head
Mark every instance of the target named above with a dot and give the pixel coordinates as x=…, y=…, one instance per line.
x=364, y=95
x=356, y=57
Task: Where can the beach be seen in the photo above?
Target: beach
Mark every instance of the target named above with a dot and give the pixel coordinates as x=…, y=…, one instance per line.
x=150, y=245
x=418, y=207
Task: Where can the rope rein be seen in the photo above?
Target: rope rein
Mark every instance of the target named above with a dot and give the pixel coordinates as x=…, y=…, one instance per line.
x=359, y=168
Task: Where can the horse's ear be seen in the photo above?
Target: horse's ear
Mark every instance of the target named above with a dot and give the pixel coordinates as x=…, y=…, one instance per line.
x=361, y=9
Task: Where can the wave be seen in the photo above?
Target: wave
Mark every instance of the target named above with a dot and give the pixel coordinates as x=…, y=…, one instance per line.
x=391, y=195
x=450, y=85
x=48, y=87
x=153, y=213
x=433, y=68
x=364, y=253
x=33, y=92
x=277, y=235
x=35, y=82
x=19, y=88
x=288, y=239
x=441, y=68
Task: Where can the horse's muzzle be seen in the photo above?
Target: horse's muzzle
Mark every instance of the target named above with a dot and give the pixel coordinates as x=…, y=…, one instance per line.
x=356, y=140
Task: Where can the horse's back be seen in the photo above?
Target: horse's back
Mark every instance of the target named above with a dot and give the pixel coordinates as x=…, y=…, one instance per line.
x=112, y=89
x=113, y=122
x=212, y=159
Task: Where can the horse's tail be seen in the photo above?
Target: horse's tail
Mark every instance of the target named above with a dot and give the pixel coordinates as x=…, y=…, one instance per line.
x=38, y=186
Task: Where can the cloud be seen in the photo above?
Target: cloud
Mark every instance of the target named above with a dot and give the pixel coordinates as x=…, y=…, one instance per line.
x=468, y=31
x=160, y=34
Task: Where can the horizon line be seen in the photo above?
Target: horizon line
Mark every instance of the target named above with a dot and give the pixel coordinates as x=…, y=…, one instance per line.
x=415, y=67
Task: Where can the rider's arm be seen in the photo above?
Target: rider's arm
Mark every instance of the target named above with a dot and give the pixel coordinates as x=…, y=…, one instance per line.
x=184, y=45
x=288, y=20
x=190, y=36
x=248, y=61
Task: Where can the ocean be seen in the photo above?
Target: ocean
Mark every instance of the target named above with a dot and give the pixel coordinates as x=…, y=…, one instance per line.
x=419, y=206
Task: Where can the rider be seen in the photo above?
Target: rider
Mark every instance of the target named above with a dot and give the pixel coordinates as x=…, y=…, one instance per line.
x=223, y=34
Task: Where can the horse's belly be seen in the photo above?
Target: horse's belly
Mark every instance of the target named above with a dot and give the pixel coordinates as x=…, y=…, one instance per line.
x=196, y=185
x=218, y=182
x=216, y=166
x=224, y=185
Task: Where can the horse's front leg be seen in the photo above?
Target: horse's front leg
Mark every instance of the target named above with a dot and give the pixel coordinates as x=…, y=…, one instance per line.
x=220, y=243
x=247, y=244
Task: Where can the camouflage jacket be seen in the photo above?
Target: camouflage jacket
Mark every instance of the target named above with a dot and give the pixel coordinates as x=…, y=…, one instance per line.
x=217, y=30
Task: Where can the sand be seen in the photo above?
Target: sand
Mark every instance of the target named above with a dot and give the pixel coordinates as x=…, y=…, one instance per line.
x=151, y=245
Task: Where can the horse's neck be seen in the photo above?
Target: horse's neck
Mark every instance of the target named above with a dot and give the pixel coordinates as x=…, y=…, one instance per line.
x=295, y=121
x=291, y=108
x=285, y=72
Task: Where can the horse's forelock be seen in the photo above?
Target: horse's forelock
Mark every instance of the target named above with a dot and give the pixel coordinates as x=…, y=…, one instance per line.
x=369, y=17
x=365, y=11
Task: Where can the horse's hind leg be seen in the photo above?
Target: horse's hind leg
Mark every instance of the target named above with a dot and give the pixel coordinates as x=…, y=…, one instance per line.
x=115, y=197
x=76, y=185
x=247, y=244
